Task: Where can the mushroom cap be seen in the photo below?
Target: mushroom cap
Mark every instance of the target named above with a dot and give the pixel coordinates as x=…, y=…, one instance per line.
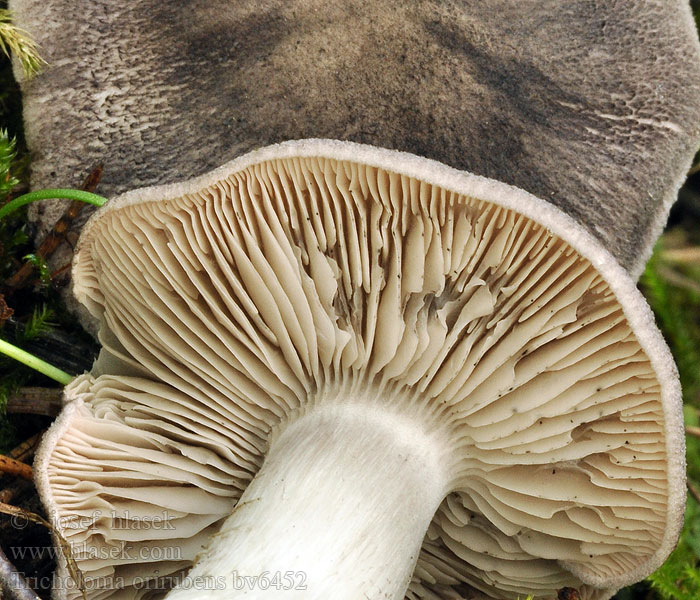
x=592, y=108
x=308, y=269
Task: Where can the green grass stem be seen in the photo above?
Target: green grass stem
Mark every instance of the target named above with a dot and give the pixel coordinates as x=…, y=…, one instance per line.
x=35, y=363
x=68, y=194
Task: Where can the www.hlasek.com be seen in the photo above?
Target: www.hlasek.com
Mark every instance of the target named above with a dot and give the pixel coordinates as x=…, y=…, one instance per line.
x=122, y=551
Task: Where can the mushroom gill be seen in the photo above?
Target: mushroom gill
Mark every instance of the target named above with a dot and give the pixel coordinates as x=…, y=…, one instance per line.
x=297, y=285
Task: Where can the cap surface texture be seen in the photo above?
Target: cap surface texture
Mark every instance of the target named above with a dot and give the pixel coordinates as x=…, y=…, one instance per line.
x=589, y=107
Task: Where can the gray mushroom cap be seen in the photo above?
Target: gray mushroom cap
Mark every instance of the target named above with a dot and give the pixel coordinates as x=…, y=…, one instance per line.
x=305, y=272
x=592, y=107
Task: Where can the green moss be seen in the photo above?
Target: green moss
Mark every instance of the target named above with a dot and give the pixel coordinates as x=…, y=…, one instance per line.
x=670, y=291
x=679, y=577
x=673, y=291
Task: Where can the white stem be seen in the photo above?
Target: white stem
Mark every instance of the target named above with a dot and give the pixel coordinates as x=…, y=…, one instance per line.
x=339, y=508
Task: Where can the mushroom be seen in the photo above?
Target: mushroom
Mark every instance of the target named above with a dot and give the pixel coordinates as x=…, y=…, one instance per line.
x=312, y=285
x=335, y=371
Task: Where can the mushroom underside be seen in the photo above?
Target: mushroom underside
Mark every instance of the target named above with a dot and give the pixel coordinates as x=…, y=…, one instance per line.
x=302, y=283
